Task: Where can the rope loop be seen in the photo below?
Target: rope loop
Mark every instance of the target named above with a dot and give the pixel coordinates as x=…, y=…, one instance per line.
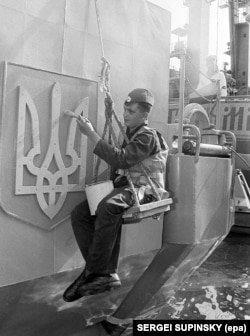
x=105, y=75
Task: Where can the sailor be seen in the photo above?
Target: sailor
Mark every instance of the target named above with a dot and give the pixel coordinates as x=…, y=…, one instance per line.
x=207, y=88
x=98, y=236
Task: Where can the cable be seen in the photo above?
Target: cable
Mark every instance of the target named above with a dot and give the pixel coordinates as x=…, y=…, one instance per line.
x=239, y=156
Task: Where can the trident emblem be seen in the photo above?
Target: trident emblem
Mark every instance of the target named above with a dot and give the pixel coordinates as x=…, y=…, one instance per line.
x=51, y=179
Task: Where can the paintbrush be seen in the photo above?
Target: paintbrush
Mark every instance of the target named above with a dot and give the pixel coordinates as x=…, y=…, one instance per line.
x=71, y=114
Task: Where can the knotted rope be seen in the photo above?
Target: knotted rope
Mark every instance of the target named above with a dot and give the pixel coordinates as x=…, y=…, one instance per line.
x=110, y=112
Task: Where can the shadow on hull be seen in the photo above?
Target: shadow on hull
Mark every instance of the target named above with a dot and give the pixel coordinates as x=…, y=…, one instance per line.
x=218, y=289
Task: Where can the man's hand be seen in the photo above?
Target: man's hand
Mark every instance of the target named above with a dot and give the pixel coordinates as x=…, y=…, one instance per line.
x=87, y=129
x=85, y=125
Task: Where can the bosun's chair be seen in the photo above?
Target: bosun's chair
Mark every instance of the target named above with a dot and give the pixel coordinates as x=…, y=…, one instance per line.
x=135, y=214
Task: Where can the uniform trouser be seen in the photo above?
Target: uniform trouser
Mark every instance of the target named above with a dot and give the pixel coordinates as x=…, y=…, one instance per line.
x=99, y=236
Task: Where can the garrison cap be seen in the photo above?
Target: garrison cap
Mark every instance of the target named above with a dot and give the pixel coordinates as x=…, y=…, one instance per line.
x=140, y=96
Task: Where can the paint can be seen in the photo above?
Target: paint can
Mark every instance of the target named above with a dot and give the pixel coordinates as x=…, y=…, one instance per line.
x=96, y=192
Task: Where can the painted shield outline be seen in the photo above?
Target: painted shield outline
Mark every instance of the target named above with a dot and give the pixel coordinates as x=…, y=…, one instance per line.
x=45, y=160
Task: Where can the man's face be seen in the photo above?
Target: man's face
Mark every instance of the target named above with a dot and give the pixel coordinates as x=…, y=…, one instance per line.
x=133, y=117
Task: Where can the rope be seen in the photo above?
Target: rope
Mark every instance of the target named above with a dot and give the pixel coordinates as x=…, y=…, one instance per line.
x=105, y=75
x=196, y=67
x=109, y=112
x=217, y=100
x=105, y=72
x=203, y=74
x=99, y=27
x=208, y=100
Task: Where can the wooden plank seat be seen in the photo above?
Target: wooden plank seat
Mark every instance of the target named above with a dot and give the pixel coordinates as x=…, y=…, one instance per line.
x=154, y=209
